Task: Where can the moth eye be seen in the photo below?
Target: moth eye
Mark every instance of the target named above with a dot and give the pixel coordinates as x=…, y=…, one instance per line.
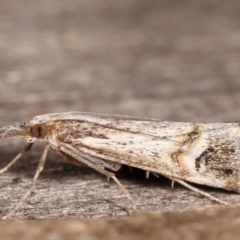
x=39, y=131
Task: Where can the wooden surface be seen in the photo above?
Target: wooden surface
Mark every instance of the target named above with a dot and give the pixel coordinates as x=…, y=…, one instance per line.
x=171, y=60
x=222, y=224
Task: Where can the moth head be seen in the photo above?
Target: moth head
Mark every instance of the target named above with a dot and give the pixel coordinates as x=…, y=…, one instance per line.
x=39, y=131
x=13, y=131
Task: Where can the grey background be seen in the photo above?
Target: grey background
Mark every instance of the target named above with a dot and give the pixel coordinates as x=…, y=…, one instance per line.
x=171, y=60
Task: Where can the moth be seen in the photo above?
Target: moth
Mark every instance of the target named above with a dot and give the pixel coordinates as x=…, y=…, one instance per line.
x=206, y=154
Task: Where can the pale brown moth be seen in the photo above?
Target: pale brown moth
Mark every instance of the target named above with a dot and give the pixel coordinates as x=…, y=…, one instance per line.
x=200, y=153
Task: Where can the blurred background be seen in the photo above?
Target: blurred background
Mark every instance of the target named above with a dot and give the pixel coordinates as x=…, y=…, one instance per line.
x=174, y=60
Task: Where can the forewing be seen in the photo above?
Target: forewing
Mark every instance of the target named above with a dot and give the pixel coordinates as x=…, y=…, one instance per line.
x=189, y=151
x=143, y=144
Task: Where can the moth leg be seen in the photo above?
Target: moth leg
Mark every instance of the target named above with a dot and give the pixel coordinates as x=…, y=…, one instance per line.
x=77, y=155
x=154, y=174
x=199, y=191
x=33, y=182
x=24, y=150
